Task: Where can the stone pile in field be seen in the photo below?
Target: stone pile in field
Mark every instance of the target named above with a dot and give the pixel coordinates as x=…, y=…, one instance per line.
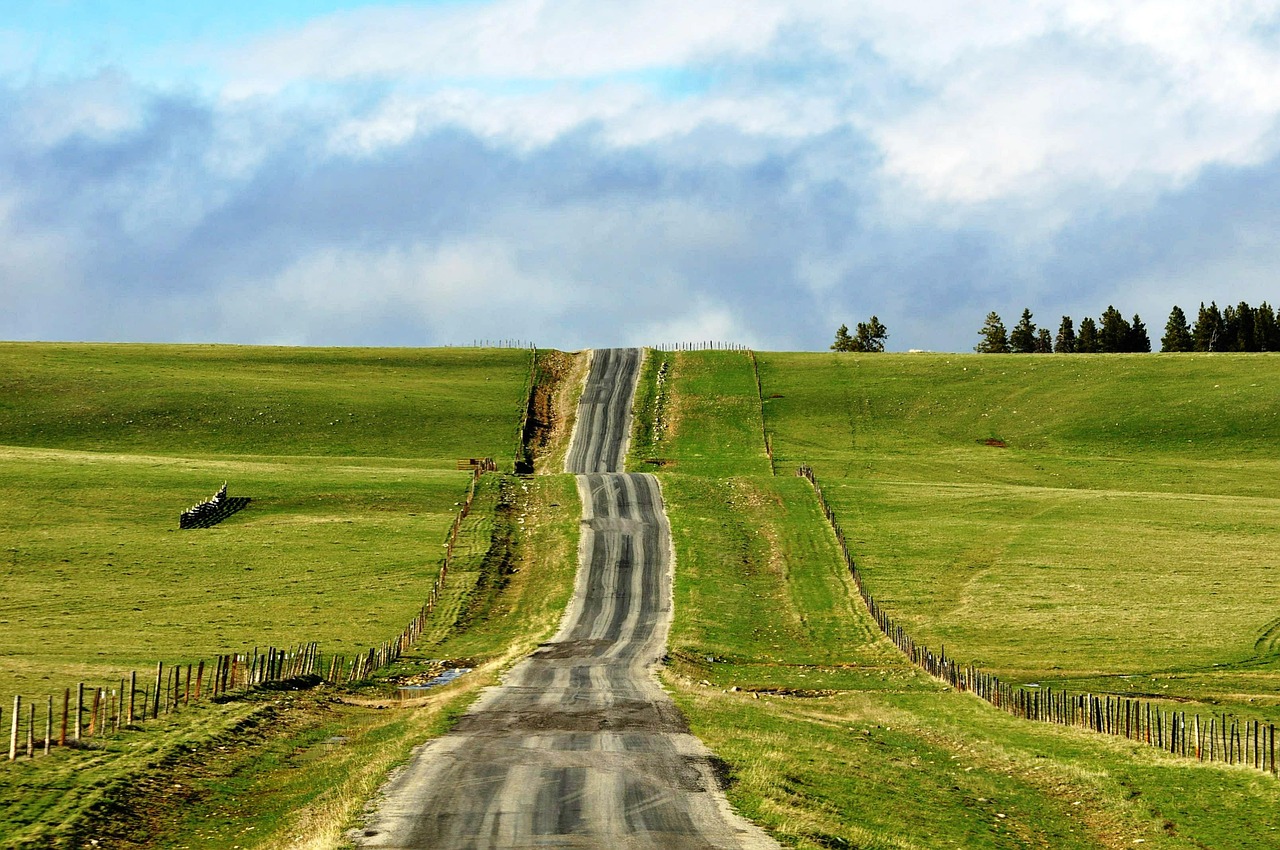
x=211, y=511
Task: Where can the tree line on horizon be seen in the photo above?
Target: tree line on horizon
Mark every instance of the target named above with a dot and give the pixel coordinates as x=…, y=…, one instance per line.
x=1238, y=328
x=868, y=336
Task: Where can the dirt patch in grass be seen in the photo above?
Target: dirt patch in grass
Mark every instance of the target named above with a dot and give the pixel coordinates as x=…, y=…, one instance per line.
x=544, y=416
x=803, y=693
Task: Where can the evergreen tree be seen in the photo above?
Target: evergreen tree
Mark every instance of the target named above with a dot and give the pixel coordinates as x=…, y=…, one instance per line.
x=1139, y=340
x=871, y=335
x=1266, y=329
x=1023, y=337
x=843, y=342
x=1065, y=343
x=994, y=337
x=1087, y=339
x=1177, y=333
x=1206, y=335
x=1246, y=319
x=1230, y=335
x=1044, y=342
x=1113, y=335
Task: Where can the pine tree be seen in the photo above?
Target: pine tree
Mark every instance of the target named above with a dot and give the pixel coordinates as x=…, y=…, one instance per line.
x=994, y=337
x=871, y=335
x=843, y=342
x=1023, y=337
x=1139, y=340
x=1113, y=335
x=1177, y=333
x=1246, y=318
x=1044, y=342
x=1266, y=329
x=1229, y=337
x=1087, y=339
x=1206, y=335
x=1065, y=343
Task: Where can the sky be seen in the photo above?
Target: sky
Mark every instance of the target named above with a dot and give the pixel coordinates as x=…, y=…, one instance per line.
x=320, y=172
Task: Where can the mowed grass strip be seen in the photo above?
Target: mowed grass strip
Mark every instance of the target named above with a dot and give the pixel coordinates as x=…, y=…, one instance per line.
x=745, y=530
x=716, y=413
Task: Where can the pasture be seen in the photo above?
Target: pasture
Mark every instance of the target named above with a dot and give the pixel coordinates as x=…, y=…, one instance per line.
x=1122, y=537
x=831, y=738
x=348, y=456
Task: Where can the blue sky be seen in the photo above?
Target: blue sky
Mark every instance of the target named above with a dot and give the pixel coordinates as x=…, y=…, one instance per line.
x=603, y=174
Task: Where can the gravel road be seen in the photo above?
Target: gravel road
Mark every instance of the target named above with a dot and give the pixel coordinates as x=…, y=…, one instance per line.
x=579, y=747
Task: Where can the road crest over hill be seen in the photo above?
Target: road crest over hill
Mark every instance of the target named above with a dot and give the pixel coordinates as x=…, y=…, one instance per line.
x=580, y=747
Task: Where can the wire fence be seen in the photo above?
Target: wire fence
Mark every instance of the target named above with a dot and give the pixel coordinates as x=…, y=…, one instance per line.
x=1222, y=738
x=704, y=345
x=93, y=711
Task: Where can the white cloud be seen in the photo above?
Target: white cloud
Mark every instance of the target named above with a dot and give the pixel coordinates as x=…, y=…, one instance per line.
x=1103, y=95
x=997, y=101
x=652, y=169
x=509, y=39
x=338, y=291
x=99, y=107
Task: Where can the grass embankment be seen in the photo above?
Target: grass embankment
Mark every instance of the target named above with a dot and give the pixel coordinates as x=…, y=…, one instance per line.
x=719, y=396
x=832, y=739
x=348, y=455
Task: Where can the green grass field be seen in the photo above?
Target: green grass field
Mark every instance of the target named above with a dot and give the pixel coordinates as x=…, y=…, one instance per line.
x=1068, y=555
x=1120, y=537
x=1124, y=538
x=348, y=456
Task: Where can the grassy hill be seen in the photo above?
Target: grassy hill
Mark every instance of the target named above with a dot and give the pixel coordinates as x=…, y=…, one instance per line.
x=1036, y=514
x=348, y=456
x=1058, y=519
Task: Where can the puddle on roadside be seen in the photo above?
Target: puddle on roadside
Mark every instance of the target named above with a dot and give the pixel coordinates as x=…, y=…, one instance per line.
x=443, y=678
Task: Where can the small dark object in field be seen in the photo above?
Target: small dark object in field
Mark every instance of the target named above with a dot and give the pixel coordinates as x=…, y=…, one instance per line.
x=995, y=442
x=212, y=511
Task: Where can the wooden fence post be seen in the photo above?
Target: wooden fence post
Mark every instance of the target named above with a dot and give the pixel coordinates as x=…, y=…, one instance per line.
x=13, y=733
x=79, y=710
x=48, y=728
x=93, y=714
x=155, y=704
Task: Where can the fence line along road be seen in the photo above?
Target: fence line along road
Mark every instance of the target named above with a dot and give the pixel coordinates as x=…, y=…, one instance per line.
x=1215, y=738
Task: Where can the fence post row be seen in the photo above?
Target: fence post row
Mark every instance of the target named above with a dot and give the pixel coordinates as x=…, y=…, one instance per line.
x=1223, y=739
x=232, y=671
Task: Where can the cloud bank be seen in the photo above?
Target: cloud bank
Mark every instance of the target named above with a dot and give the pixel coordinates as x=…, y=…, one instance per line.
x=606, y=174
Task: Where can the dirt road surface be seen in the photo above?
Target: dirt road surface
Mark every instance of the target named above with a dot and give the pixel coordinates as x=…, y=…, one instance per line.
x=579, y=747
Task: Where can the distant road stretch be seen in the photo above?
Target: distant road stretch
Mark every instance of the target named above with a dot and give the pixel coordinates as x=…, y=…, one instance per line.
x=579, y=747
x=604, y=412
